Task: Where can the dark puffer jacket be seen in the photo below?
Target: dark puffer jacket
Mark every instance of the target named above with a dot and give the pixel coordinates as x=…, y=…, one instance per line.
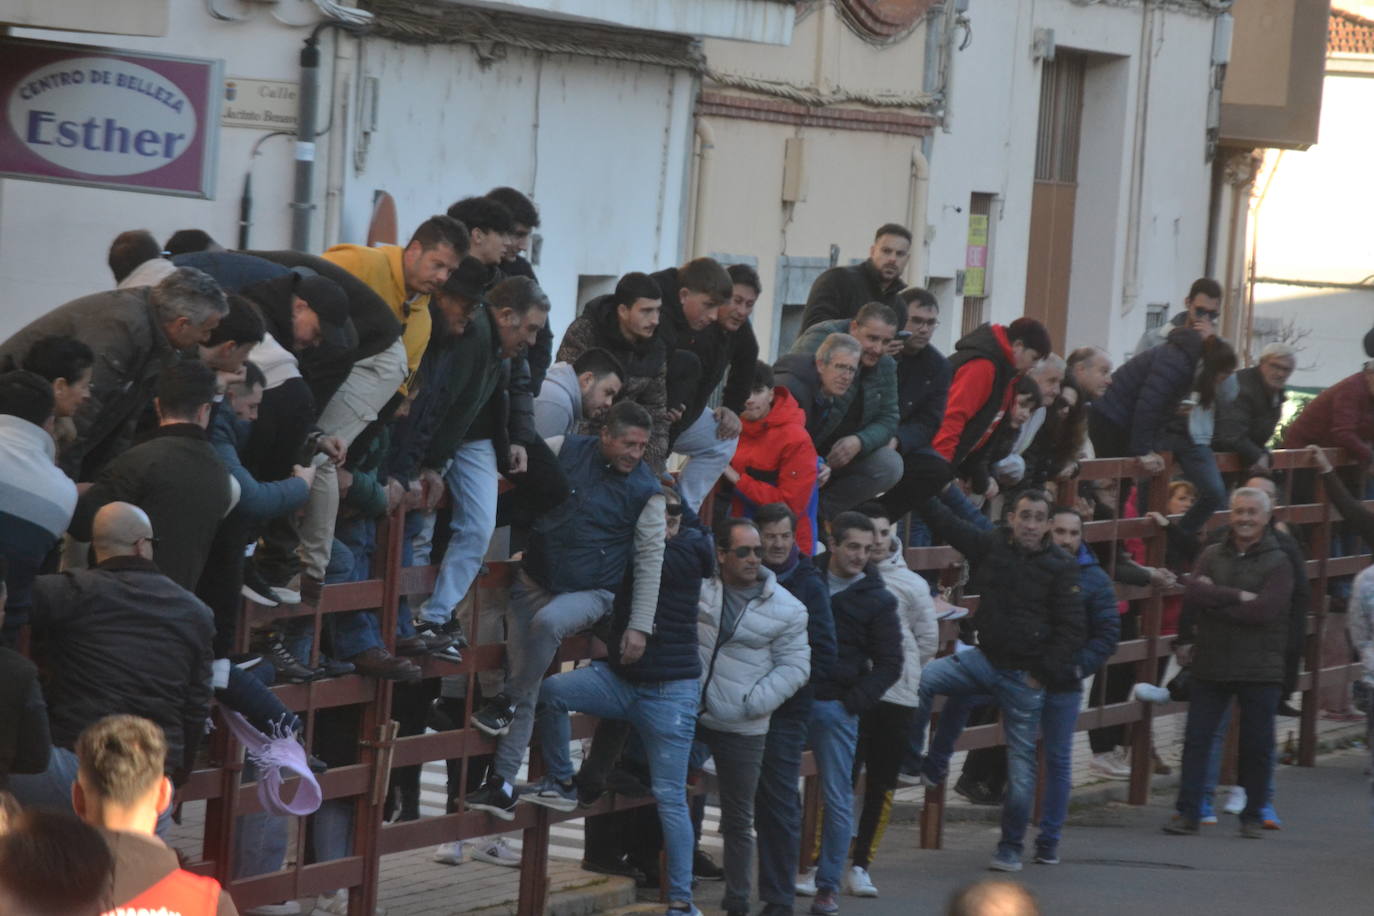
x=645, y=363
x=670, y=652
x=841, y=291
x=1246, y=423
x=1146, y=391
x=868, y=641
x=1237, y=640
x=807, y=584
x=1030, y=607
x=1103, y=623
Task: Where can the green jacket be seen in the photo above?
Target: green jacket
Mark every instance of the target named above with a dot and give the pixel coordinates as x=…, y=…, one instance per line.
x=367, y=497
x=877, y=386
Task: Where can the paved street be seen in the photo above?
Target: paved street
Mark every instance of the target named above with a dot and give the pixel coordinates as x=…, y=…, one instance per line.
x=1117, y=861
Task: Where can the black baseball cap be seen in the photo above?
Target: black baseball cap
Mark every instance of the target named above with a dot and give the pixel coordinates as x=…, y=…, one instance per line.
x=328, y=300
x=468, y=281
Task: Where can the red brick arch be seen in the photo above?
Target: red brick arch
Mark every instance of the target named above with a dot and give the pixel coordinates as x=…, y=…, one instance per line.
x=885, y=18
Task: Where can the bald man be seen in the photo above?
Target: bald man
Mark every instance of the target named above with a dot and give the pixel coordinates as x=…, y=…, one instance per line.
x=119, y=637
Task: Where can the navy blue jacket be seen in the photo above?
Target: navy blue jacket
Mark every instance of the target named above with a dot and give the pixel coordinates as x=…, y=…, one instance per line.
x=922, y=389
x=257, y=500
x=670, y=652
x=1103, y=624
x=1146, y=391
x=806, y=583
x=868, y=641
x=587, y=542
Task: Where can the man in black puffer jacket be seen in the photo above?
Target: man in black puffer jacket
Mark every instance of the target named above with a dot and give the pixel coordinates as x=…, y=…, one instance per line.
x=1030, y=622
x=868, y=660
x=657, y=693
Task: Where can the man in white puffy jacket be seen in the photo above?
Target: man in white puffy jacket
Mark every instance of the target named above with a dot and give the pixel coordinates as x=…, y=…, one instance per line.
x=754, y=656
x=885, y=729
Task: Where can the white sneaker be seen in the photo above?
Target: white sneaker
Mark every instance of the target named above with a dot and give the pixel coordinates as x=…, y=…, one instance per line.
x=286, y=595
x=857, y=883
x=806, y=883
x=496, y=852
x=285, y=908
x=335, y=904
x=449, y=853
x=1149, y=693
x=1235, y=802
x=1109, y=765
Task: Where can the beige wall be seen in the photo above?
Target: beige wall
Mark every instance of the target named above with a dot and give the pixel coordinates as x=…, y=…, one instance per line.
x=125, y=17
x=853, y=180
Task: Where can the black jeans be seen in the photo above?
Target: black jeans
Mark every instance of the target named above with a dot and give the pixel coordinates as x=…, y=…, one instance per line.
x=924, y=474
x=1207, y=702
x=883, y=734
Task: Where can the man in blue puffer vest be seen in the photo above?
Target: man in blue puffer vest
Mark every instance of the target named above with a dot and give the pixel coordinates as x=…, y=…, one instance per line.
x=657, y=694
x=578, y=555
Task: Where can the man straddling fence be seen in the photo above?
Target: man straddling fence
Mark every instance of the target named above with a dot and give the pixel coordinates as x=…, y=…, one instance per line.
x=658, y=693
x=1029, y=624
x=577, y=557
x=1232, y=634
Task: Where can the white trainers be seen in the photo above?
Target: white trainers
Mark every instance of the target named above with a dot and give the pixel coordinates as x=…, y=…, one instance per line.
x=857, y=883
x=1110, y=765
x=1235, y=802
x=1149, y=693
x=336, y=904
x=806, y=883
x=449, y=853
x=496, y=852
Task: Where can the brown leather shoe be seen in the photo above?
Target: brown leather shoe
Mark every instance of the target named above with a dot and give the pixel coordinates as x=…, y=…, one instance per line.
x=423, y=644
x=380, y=663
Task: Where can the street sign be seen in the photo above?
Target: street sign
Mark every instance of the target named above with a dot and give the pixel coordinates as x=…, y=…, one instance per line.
x=260, y=104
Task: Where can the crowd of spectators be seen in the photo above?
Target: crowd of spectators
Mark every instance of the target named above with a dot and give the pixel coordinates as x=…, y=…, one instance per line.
x=231, y=426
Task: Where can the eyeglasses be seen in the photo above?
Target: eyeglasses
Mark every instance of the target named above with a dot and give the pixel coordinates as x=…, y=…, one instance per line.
x=744, y=552
x=924, y=322
x=151, y=539
x=672, y=510
x=1209, y=314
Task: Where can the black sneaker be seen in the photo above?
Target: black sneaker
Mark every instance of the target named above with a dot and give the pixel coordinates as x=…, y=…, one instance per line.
x=495, y=716
x=589, y=793
x=287, y=666
x=496, y=797
x=705, y=868
x=978, y=793
x=445, y=714
x=454, y=630
x=255, y=588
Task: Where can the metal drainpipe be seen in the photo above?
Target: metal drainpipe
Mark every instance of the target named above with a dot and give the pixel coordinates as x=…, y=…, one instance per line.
x=302, y=206
x=706, y=145
x=916, y=218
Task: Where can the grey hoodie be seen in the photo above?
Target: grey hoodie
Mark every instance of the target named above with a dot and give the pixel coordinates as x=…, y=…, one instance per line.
x=558, y=408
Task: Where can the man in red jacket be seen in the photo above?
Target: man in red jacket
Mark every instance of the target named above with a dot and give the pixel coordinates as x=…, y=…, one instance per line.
x=775, y=461
x=986, y=362
x=1342, y=416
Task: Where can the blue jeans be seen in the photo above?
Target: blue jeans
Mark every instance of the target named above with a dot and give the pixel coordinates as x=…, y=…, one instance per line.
x=833, y=737
x=969, y=674
x=664, y=715
x=1057, y=721
x=1206, y=705
x=472, y=482
x=1199, y=466
x=777, y=807
x=350, y=560
x=954, y=499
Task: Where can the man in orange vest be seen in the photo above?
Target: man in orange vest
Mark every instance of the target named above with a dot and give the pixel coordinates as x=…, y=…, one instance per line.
x=120, y=789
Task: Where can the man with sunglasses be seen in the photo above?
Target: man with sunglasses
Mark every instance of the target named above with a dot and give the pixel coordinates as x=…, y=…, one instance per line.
x=1201, y=312
x=754, y=656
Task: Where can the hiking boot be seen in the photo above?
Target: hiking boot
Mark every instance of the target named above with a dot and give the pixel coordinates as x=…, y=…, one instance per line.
x=270, y=646
x=332, y=667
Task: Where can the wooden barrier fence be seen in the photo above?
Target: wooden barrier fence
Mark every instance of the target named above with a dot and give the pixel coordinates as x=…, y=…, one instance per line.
x=365, y=782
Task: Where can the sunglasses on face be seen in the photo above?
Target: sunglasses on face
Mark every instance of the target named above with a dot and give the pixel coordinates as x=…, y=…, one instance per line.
x=1209, y=314
x=672, y=510
x=744, y=552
